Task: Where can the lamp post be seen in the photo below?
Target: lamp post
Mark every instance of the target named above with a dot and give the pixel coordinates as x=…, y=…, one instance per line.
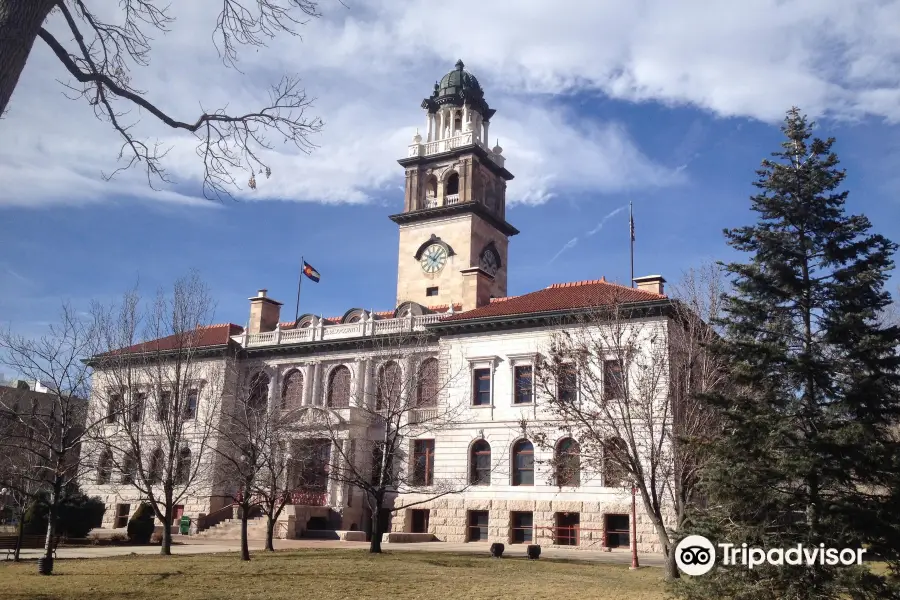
x=634, y=556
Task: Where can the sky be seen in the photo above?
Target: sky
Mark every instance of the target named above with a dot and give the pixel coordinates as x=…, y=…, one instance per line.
x=669, y=105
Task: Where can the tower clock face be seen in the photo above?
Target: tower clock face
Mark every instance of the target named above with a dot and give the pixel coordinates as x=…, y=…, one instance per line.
x=490, y=262
x=434, y=258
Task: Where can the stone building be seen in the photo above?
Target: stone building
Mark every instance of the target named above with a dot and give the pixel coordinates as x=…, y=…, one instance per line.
x=480, y=343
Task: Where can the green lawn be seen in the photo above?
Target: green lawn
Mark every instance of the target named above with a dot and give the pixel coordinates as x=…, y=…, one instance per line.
x=325, y=575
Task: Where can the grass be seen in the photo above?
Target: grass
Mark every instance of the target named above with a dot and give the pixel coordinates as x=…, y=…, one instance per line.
x=325, y=575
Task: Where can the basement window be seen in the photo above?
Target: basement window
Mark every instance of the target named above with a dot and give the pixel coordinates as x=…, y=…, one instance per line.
x=432, y=291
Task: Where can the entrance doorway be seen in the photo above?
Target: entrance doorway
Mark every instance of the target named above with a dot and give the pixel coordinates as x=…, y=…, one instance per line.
x=420, y=520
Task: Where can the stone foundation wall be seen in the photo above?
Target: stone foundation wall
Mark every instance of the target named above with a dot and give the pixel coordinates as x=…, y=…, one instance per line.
x=448, y=521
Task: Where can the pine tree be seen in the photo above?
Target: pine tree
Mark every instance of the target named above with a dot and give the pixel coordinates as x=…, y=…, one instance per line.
x=808, y=452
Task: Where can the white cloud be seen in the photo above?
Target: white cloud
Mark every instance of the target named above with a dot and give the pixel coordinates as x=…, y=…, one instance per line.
x=370, y=64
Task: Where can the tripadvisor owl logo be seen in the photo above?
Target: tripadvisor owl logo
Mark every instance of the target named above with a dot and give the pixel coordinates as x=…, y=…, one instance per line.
x=695, y=555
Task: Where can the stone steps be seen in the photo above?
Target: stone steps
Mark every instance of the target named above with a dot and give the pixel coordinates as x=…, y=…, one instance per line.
x=231, y=529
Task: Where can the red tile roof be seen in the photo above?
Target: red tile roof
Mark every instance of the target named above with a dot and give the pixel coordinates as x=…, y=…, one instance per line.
x=559, y=297
x=208, y=335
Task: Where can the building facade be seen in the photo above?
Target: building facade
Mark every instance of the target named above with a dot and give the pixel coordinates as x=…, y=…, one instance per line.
x=476, y=476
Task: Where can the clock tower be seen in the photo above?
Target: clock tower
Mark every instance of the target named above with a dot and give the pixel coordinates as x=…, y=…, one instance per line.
x=453, y=231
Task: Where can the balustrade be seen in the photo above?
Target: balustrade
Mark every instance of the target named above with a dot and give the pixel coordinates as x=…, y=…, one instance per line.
x=338, y=331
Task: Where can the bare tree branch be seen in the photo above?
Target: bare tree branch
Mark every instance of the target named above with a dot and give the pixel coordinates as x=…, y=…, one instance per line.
x=106, y=52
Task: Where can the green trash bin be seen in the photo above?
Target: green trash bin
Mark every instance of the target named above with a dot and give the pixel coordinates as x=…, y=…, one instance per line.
x=185, y=525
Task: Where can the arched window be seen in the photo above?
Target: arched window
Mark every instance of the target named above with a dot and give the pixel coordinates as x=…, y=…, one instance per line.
x=568, y=463
x=523, y=463
x=615, y=457
x=355, y=319
x=453, y=184
x=339, y=387
x=104, y=467
x=431, y=186
x=389, y=386
x=183, y=469
x=292, y=390
x=258, y=394
x=427, y=384
x=154, y=475
x=129, y=467
x=480, y=462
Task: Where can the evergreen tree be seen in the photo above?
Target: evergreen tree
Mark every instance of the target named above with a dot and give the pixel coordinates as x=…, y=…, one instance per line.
x=808, y=452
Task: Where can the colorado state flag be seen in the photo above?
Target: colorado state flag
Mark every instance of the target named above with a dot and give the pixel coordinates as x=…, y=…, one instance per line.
x=310, y=272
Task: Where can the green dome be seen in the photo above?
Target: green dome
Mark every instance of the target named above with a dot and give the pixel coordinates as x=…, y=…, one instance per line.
x=458, y=81
x=458, y=88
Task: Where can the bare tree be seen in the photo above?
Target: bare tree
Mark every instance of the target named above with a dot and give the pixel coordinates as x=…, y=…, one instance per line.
x=99, y=54
x=273, y=487
x=157, y=392
x=252, y=452
x=45, y=431
x=626, y=381
x=21, y=475
x=384, y=448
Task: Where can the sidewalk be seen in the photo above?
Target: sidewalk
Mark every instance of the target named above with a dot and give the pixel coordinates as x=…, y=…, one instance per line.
x=188, y=545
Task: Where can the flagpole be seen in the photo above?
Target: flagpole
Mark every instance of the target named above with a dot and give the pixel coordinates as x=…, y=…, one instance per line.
x=299, y=281
x=631, y=235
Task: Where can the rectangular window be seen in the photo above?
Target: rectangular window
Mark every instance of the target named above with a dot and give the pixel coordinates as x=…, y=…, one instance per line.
x=616, y=531
x=165, y=401
x=190, y=404
x=481, y=392
x=420, y=520
x=522, y=527
x=377, y=459
x=113, y=407
x=567, y=526
x=478, y=526
x=177, y=511
x=423, y=462
x=122, y=512
x=613, y=382
x=523, y=386
x=137, y=409
x=568, y=384
x=432, y=291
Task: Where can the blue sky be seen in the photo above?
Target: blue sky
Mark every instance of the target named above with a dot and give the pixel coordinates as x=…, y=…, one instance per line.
x=672, y=111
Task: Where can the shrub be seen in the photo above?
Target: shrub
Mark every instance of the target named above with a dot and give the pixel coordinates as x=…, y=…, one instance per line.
x=34, y=522
x=78, y=514
x=140, y=526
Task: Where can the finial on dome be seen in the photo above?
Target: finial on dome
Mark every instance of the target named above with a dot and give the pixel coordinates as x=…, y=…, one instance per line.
x=497, y=149
x=460, y=65
x=417, y=139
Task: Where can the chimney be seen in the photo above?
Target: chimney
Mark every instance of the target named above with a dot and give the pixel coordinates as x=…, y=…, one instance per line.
x=264, y=313
x=651, y=283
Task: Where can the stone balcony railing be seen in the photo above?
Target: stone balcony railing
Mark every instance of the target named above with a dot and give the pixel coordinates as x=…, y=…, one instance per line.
x=422, y=415
x=433, y=202
x=321, y=332
x=460, y=140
